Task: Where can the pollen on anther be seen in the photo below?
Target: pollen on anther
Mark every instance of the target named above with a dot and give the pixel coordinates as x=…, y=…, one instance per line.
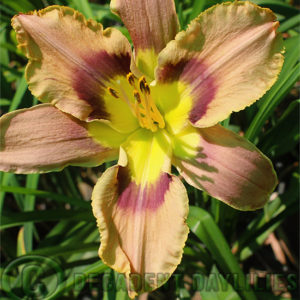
x=147, y=89
x=137, y=96
x=142, y=84
x=130, y=78
x=113, y=92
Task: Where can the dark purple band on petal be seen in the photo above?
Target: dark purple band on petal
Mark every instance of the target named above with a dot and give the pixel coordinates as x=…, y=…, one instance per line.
x=203, y=87
x=90, y=83
x=107, y=65
x=195, y=73
x=136, y=198
x=171, y=72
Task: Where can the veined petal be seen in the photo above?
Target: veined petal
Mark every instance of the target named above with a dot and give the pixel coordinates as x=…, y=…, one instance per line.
x=72, y=61
x=143, y=230
x=225, y=165
x=141, y=211
x=229, y=56
x=43, y=139
x=151, y=24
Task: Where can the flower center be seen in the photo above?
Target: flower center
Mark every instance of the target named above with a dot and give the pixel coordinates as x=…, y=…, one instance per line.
x=141, y=103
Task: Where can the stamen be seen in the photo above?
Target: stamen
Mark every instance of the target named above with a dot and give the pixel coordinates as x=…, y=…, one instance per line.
x=143, y=107
x=142, y=83
x=130, y=78
x=154, y=112
x=147, y=89
x=113, y=92
x=137, y=96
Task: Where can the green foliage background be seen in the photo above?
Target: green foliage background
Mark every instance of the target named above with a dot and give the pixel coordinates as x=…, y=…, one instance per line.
x=49, y=215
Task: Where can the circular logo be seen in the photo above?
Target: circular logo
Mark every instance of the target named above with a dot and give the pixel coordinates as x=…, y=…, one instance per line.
x=31, y=277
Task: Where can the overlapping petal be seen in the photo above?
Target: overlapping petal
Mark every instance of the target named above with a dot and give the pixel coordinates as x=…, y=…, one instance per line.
x=143, y=231
x=151, y=24
x=141, y=211
x=43, y=139
x=229, y=56
x=72, y=61
x=225, y=165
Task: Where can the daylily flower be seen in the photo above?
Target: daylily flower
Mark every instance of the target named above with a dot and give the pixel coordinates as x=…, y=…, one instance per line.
x=156, y=108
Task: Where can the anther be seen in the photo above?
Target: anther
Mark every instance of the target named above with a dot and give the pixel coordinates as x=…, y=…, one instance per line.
x=113, y=92
x=137, y=96
x=142, y=83
x=147, y=89
x=143, y=78
x=130, y=78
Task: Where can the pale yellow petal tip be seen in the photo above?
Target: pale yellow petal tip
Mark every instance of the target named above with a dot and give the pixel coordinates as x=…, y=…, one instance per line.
x=123, y=159
x=62, y=11
x=113, y=7
x=22, y=35
x=235, y=4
